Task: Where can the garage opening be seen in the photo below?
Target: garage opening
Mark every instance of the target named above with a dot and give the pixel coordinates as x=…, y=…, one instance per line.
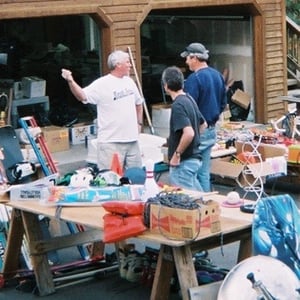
x=229, y=38
x=40, y=47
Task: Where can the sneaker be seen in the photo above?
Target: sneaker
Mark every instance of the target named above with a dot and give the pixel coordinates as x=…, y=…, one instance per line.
x=123, y=259
x=135, y=266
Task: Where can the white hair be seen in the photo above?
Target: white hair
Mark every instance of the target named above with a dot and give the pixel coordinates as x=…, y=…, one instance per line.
x=116, y=57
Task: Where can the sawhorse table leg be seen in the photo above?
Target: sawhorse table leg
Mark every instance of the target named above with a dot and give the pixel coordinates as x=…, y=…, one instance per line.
x=182, y=259
x=14, y=243
x=43, y=275
x=163, y=274
x=21, y=222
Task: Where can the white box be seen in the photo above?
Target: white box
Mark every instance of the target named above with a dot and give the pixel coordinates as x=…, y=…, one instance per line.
x=79, y=133
x=33, y=86
x=36, y=190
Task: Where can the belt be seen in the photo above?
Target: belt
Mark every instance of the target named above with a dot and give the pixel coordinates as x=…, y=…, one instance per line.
x=211, y=125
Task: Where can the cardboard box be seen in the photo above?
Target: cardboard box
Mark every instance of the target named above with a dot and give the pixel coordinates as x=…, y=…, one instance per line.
x=265, y=150
x=227, y=172
x=57, y=138
x=70, y=196
x=294, y=154
x=79, y=133
x=36, y=190
x=33, y=86
x=183, y=224
x=241, y=98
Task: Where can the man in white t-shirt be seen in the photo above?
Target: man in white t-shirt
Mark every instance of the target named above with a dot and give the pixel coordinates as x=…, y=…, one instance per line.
x=119, y=111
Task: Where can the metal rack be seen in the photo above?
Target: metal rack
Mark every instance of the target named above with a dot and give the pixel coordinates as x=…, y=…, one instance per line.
x=254, y=182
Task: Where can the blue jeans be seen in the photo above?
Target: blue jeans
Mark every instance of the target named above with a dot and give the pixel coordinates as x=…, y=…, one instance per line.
x=185, y=175
x=207, y=140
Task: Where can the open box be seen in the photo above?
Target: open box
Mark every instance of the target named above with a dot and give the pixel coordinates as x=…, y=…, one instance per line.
x=181, y=224
x=273, y=164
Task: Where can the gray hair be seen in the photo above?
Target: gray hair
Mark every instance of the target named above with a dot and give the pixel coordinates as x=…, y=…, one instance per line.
x=116, y=57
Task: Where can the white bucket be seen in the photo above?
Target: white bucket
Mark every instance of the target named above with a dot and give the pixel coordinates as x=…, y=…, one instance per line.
x=161, y=114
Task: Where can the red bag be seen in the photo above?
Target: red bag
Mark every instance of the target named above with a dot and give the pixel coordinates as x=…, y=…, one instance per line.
x=124, y=207
x=118, y=227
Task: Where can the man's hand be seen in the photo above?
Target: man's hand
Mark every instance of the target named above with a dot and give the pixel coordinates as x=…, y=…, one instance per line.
x=202, y=127
x=66, y=74
x=175, y=161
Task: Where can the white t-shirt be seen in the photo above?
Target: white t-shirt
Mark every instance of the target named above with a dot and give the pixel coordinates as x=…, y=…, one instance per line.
x=116, y=100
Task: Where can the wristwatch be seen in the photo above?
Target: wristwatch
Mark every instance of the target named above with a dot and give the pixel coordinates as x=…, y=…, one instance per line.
x=178, y=153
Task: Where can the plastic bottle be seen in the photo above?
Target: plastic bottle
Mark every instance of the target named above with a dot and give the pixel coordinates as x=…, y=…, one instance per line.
x=151, y=187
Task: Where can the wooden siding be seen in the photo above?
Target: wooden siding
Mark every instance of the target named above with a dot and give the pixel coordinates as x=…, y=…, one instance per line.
x=275, y=49
x=120, y=24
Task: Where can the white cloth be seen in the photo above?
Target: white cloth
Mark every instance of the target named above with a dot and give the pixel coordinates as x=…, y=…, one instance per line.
x=116, y=100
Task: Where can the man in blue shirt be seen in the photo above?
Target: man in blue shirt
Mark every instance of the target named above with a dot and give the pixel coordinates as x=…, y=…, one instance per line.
x=207, y=86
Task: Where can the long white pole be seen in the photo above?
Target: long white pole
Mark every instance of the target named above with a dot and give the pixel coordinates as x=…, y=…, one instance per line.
x=141, y=92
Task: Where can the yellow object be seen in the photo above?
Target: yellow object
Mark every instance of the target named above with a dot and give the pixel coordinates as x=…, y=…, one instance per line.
x=294, y=154
x=2, y=119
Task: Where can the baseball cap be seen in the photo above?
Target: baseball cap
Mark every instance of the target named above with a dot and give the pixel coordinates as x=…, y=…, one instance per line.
x=196, y=49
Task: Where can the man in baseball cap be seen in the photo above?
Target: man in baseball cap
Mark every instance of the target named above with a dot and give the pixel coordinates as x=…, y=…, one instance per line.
x=196, y=49
x=206, y=85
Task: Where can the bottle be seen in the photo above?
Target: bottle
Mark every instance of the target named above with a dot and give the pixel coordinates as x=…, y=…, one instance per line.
x=151, y=189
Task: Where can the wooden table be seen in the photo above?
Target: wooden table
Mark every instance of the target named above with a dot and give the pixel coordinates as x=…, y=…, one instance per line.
x=235, y=226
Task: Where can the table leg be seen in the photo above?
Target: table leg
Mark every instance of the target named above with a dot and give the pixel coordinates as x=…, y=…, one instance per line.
x=185, y=269
x=245, y=249
x=40, y=262
x=14, y=243
x=163, y=274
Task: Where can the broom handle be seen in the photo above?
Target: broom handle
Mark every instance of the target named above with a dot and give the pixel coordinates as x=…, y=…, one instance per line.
x=141, y=92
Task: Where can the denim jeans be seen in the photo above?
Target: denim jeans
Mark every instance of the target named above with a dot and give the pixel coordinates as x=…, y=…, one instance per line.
x=207, y=139
x=185, y=175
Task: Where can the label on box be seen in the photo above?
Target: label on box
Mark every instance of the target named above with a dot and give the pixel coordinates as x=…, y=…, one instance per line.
x=79, y=133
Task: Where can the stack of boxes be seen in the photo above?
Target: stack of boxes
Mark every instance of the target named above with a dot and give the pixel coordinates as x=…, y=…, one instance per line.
x=60, y=138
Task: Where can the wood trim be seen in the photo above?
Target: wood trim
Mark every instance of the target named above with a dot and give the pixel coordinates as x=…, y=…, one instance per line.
x=259, y=63
x=47, y=8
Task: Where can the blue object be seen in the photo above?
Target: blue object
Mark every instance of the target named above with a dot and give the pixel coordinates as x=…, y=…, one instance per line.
x=276, y=230
x=136, y=175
